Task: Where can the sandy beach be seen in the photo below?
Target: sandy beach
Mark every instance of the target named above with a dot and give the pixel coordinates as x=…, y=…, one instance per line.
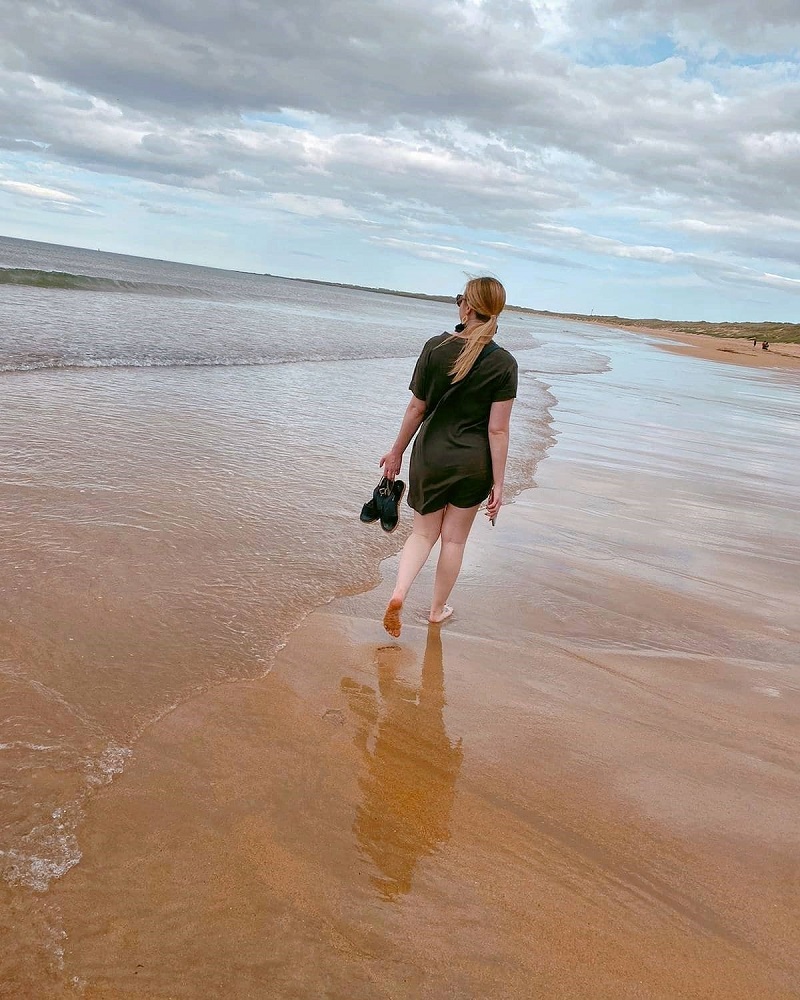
x=585, y=785
x=462, y=815
x=733, y=350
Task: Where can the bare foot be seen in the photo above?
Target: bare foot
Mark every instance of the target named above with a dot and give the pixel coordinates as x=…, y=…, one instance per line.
x=443, y=615
x=391, y=620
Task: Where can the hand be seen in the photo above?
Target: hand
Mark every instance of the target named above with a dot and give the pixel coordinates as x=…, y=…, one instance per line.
x=494, y=503
x=391, y=463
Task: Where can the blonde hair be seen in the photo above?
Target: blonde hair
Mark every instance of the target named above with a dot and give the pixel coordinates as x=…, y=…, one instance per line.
x=487, y=297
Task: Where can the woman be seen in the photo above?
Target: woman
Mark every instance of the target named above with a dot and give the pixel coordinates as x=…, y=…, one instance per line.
x=463, y=389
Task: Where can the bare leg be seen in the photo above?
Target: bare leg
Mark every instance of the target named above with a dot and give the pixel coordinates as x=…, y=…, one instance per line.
x=455, y=531
x=415, y=553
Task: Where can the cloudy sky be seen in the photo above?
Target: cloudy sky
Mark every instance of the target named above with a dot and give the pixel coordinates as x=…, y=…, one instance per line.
x=636, y=157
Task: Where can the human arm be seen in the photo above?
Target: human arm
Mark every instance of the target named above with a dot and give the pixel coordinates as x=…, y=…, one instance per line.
x=412, y=418
x=499, y=420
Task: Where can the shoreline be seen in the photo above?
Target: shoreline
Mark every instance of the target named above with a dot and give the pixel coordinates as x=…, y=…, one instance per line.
x=573, y=762
x=730, y=350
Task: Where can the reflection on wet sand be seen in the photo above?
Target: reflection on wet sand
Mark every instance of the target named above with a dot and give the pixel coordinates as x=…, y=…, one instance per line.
x=410, y=764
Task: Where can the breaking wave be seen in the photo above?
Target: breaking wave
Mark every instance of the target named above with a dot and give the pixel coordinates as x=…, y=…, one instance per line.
x=90, y=283
x=31, y=364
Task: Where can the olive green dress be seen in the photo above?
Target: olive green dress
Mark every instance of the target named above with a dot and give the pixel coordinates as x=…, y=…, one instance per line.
x=451, y=462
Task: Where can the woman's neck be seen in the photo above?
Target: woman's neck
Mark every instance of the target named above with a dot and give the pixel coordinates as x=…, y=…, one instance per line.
x=468, y=328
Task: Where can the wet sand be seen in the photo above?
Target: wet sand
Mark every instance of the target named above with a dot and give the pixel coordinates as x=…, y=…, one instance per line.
x=355, y=839
x=583, y=785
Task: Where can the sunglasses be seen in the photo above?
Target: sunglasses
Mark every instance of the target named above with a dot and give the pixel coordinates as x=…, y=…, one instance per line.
x=460, y=298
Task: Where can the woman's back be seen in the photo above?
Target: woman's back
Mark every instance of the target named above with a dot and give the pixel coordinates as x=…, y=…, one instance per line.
x=492, y=378
x=451, y=460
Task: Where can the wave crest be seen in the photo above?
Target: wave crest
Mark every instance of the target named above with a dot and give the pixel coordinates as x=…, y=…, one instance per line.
x=67, y=281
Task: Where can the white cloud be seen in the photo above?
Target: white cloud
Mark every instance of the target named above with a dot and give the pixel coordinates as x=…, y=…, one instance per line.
x=36, y=191
x=314, y=207
x=428, y=251
x=714, y=269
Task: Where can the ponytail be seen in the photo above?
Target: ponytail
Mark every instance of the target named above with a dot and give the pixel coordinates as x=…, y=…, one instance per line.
x=479, y=337
x=486, y=297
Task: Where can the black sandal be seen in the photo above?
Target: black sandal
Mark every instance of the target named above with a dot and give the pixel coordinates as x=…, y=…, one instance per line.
x=371, y=510
x=389, y=503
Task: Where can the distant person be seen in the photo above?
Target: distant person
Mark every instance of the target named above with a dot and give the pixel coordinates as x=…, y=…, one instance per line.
x=755, y=341
x=765, y=345
x=463, y=388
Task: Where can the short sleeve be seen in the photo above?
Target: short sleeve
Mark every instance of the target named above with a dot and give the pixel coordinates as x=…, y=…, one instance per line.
x=507, y=386
x=419, y=380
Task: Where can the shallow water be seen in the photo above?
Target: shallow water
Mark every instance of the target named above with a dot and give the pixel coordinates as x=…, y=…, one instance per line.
x=181, y=479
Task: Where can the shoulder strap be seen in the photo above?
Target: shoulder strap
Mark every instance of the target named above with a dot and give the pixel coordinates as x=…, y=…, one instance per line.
x=487, y=350
x=491, y=346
